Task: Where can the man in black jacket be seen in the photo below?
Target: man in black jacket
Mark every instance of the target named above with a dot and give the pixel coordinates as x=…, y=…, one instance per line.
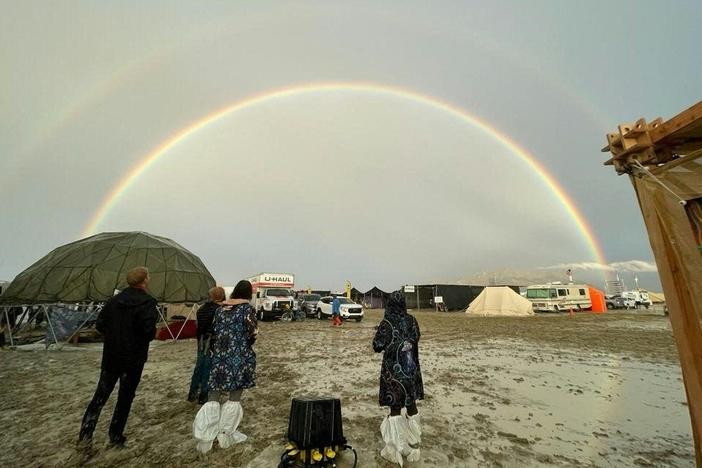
x=128, y=323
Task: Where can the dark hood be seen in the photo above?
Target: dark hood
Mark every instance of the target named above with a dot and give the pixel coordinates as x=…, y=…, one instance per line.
x=396, y=307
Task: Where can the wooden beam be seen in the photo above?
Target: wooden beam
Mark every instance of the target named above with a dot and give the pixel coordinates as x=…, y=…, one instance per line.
x=687, y=124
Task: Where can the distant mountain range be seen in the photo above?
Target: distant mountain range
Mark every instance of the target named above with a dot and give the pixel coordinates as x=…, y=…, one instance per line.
x=512, y=277
x=516, y=277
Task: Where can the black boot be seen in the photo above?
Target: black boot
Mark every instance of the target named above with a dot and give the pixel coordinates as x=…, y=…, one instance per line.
x=117, y=441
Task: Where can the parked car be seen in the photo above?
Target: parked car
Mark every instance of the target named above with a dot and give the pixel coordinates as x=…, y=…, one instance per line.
x=349, y=310
x=618, y=302
x=308, y=303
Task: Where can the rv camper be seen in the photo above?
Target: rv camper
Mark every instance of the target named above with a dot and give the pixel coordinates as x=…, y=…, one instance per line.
x=272, y=294
x=558, y=297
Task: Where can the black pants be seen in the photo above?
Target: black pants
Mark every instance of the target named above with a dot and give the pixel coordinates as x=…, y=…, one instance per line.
x=128, y=383
x=397, y=410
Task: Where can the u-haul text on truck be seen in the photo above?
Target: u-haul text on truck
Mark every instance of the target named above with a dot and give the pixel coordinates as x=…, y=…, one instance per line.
x=272, y=294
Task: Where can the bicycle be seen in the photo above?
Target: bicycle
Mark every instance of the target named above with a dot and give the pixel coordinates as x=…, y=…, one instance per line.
x=287, y=316
x=290, y=315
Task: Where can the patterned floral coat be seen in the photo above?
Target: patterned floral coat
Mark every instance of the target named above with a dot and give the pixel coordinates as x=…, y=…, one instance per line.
x=233, y=365
x=398, y=337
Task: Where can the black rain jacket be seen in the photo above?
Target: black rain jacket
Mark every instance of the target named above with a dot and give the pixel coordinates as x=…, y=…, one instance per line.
x=128, y=322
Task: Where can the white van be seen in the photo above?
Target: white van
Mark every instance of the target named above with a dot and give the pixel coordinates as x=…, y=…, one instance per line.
x=558, y=297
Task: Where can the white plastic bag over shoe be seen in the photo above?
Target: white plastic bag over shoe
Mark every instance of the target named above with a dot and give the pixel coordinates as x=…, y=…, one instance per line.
x=414, y=429
x=392, y=429
x=413, y=437
x=206, y=425
x=232, y=412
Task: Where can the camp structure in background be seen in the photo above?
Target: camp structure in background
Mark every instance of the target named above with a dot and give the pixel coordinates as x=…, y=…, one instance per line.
x=656, y=297
x=664, y=163
x=356, y=296
x=375, y=298
x=68, y=286
x=598, y=300
x=500, y=301
x=454, y=297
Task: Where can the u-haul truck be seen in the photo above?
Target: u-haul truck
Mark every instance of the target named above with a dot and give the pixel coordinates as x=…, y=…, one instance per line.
x=557, y=297
x=272, y=294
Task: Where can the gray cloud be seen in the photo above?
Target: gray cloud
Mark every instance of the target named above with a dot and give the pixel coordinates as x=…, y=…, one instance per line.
x=91, y=89
x=632, y=266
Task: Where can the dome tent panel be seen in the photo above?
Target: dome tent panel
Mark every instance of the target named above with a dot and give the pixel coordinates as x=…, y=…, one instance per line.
x=89, y=270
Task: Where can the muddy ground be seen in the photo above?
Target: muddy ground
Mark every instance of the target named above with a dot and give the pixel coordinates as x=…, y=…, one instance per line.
x=589, y=390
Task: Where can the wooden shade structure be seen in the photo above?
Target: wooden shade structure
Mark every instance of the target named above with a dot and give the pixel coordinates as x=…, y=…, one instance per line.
x=664, y=163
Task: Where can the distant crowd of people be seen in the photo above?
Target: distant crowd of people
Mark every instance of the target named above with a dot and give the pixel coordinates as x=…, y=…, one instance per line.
x=225, y=366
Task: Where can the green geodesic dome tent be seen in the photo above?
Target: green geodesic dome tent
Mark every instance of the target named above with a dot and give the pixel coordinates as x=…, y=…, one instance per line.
x=90, y=269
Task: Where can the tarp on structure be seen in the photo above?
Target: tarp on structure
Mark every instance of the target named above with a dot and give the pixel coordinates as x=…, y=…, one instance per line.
x=656, y=298
x=375, y=298
x=356, y=296
x=91, y=269
x=599, y=303
x=66, y=320
x=454, y=296
x=500, y=301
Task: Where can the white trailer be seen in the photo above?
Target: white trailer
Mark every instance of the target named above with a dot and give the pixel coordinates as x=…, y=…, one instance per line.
x=272, y=294
x=558, y=297
x=640, y=297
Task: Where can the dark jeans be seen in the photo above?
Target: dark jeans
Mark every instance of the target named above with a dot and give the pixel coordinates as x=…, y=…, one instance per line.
x=397, y=410
x=128, y=383
x=201, y=374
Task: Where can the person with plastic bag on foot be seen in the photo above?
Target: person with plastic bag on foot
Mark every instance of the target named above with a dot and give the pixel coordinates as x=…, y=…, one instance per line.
x=128, y=323
x=201, y=373
x=233, y=369
x=401, y=383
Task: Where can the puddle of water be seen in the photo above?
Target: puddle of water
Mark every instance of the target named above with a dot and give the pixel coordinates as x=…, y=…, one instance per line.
x=594, y=408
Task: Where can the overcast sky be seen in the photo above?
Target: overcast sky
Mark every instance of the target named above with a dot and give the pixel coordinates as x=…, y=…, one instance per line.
x=336, y=185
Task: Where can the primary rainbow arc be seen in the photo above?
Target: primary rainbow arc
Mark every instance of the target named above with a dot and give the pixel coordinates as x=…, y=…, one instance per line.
x=132, y=175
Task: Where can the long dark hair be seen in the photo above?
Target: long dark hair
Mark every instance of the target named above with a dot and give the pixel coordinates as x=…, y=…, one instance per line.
x=242, y=290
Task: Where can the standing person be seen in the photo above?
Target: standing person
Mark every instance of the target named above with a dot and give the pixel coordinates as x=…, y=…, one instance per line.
x=400, y=380
x=233, y=369
x=336, y=312
x=205, y=317
x=128, y=323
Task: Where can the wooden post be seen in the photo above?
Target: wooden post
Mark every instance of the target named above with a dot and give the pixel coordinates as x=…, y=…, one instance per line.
x=684, y=316
x=663, y=161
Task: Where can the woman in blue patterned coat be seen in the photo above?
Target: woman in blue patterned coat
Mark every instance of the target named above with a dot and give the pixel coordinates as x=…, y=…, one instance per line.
x=233, y=369
x=401, y=383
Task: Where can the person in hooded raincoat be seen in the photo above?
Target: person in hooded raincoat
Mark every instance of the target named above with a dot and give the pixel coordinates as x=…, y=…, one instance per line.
x=397, y=337
x=128, y=322
x=232, y=370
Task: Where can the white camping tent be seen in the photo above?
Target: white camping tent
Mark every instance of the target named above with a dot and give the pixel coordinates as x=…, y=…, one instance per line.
x=501, y=301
